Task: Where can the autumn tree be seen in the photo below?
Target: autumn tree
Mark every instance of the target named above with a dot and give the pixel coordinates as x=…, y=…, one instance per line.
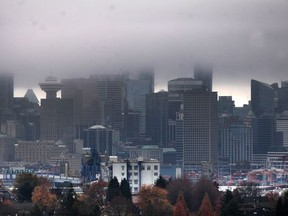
x=180, y=208
x=44, y=199
x=161, y=182
x=24, y=185
x=177, y=185
x=97, y=192
x=153, y=201
x=199, y=190
x=7, y=208
x=206, y=208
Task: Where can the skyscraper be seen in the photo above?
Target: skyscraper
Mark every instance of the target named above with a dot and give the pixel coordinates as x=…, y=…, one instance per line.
x=56, y=115
x=262, y=98
x=99, y=100
x=6, y=90
x=137, y=87
x=199, y=128
x=205, y=74
x=157, y=117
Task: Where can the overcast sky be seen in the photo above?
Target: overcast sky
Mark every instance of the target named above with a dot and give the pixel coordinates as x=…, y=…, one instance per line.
x=242, y=39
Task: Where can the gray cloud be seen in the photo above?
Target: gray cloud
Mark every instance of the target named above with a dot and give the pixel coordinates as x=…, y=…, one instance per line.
x=242, y=39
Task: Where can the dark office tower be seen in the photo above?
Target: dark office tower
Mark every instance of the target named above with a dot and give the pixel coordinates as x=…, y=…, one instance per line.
x=199, y=128
x=6, y=90
x=137, y=87
x=56, y=115
x=157, y=117
x=99, y=138
x=225, y=105
x=205, y=74
x=101, y=99
x=283, y=97
x=263, y=136
x=262, y=98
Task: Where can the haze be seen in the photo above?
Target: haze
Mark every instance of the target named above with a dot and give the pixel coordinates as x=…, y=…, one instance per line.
x=242, y=39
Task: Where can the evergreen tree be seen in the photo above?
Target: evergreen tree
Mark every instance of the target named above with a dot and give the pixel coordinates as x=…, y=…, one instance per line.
x=125, y=189
x=161, y=182
x=231, y=208
x=113, y=189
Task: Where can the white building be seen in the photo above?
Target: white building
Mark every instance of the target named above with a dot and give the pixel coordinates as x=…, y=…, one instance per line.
x=138, y=172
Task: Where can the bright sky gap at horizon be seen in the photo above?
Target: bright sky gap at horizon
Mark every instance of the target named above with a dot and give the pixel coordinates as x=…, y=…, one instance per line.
x=241, y=39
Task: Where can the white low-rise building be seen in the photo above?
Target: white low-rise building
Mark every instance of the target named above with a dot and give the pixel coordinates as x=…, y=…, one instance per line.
x=138, y=172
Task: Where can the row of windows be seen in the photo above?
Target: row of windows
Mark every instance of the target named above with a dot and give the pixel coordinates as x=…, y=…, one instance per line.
x=148, y=167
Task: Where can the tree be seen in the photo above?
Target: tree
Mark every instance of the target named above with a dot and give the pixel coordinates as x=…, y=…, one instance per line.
x=206, y=208
x=97, y=192
x=44, y=199
x=177, y=185
x=231, y=208
x=199, y=190
x=68, y=202
x=180, y=208
x=7, y=208
x=24, y=186
x=153, y=201
x=121, y=206
x=282, y=205
x=113, y=189
x=248, y=189
x=125, y=189
x=161, y=182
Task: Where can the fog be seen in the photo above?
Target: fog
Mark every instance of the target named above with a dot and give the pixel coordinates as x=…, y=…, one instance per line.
x=241, y=39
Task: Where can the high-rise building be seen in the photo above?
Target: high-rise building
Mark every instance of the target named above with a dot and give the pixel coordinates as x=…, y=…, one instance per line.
x=157, y=117
x=137, y=87
x=199, y=130
x=56, y=115
x=282, y=101
x=99, y=100
x=6, y=90
x=205, y=74
x=184, y=84
x=99, y=138
x=236, y=141
x=262, y=98
x=225, y=105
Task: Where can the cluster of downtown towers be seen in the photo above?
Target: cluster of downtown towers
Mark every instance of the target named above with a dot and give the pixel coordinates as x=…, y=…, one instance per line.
x=124, y=109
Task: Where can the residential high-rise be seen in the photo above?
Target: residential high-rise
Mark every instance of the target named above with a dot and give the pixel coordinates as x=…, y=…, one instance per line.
x=56, y=115
x=199, y=133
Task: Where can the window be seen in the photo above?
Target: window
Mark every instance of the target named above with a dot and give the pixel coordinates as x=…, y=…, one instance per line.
x=122, y=167
x=135, y=189
x=148, y=167
x=122, y=174
x=136, y=181
x=155, y=167
x=136, y=174
x=135, y=167
x=156, y=174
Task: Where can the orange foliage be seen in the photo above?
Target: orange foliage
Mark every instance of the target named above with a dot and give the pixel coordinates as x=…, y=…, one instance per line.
x=43, y=197
x=206, y=208
x=180, y=208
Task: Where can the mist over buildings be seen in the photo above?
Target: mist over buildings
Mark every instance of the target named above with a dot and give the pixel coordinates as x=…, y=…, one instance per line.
x=242, y=40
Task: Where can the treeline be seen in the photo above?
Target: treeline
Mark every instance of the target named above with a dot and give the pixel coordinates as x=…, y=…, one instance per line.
x=174, y=197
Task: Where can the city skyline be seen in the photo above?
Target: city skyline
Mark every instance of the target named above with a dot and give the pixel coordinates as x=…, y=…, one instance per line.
x=242, y=40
